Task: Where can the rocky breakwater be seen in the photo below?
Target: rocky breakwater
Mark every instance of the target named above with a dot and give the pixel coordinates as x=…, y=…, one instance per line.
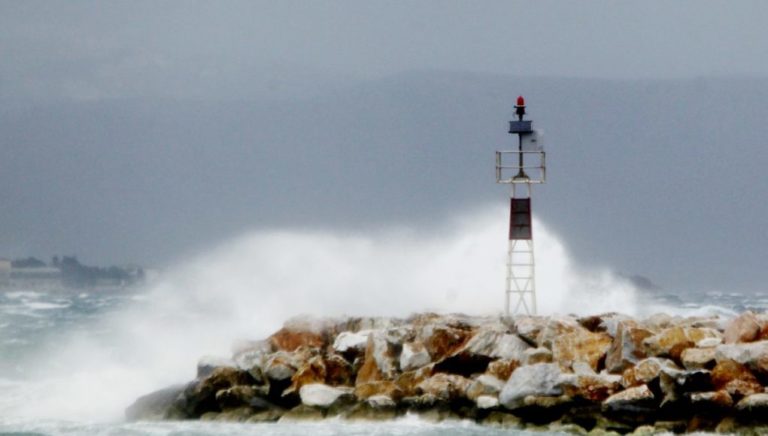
x=602, y=373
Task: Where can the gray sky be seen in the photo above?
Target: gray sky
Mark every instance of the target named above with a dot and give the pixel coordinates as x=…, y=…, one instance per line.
x=141, y=131
x=96, y=49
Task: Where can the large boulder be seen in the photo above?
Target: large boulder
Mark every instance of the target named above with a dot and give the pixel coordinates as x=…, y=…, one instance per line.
x=698, y=358
x=442, y=340
x=495, y=342
x=580, y=346
x=555, y=327
x=323, y=396
x=541, y=379
x=671, y=342
x=627, y=347
x=735, y=378
x=744, y=328
x=489, y=343
x=646, y=371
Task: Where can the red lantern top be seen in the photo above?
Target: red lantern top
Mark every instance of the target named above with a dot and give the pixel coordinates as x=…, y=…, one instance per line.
x=520, y=101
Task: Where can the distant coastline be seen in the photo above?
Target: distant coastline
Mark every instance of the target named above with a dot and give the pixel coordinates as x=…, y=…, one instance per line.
x=67, y=272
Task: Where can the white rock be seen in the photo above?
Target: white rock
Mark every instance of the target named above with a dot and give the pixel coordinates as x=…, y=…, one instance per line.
x=346, y=341
x=413, y=356
x=320, y=395
x=486, y=402
x=745, y=353
x=541, y=379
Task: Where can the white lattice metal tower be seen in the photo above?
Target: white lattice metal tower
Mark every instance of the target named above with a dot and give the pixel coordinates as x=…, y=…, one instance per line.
x=520, y=292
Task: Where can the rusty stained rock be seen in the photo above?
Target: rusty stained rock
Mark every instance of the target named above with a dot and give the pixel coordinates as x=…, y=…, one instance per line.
x=379, y=361
x=672, y=341
x=591, y=387
x=290, y=340
x=735, y=378
x=311, y=371
x=580, y=346
x=338, y=371
x=442, y=341
x=502, y=369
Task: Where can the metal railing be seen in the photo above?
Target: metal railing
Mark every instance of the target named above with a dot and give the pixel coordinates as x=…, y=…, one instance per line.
x=536, y=173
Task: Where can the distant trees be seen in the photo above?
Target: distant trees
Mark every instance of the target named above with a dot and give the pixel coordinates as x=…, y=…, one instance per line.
x=75, y=274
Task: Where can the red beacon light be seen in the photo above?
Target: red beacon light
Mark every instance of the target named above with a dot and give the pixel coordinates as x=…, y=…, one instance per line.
x=520, y=108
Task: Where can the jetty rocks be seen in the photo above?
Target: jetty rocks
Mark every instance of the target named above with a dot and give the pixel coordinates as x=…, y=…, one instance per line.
x=597, y=374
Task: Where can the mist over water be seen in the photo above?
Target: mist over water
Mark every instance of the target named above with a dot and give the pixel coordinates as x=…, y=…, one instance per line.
x=246, y=288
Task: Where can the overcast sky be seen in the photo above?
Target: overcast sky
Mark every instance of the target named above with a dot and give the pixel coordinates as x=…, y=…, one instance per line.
x=98, y=49
x=208, y=111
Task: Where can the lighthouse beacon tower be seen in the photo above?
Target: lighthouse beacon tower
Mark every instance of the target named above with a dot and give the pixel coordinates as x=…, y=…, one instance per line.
x=522, y=168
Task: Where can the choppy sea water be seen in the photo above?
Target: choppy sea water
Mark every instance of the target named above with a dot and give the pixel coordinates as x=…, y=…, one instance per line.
x=35, y=332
